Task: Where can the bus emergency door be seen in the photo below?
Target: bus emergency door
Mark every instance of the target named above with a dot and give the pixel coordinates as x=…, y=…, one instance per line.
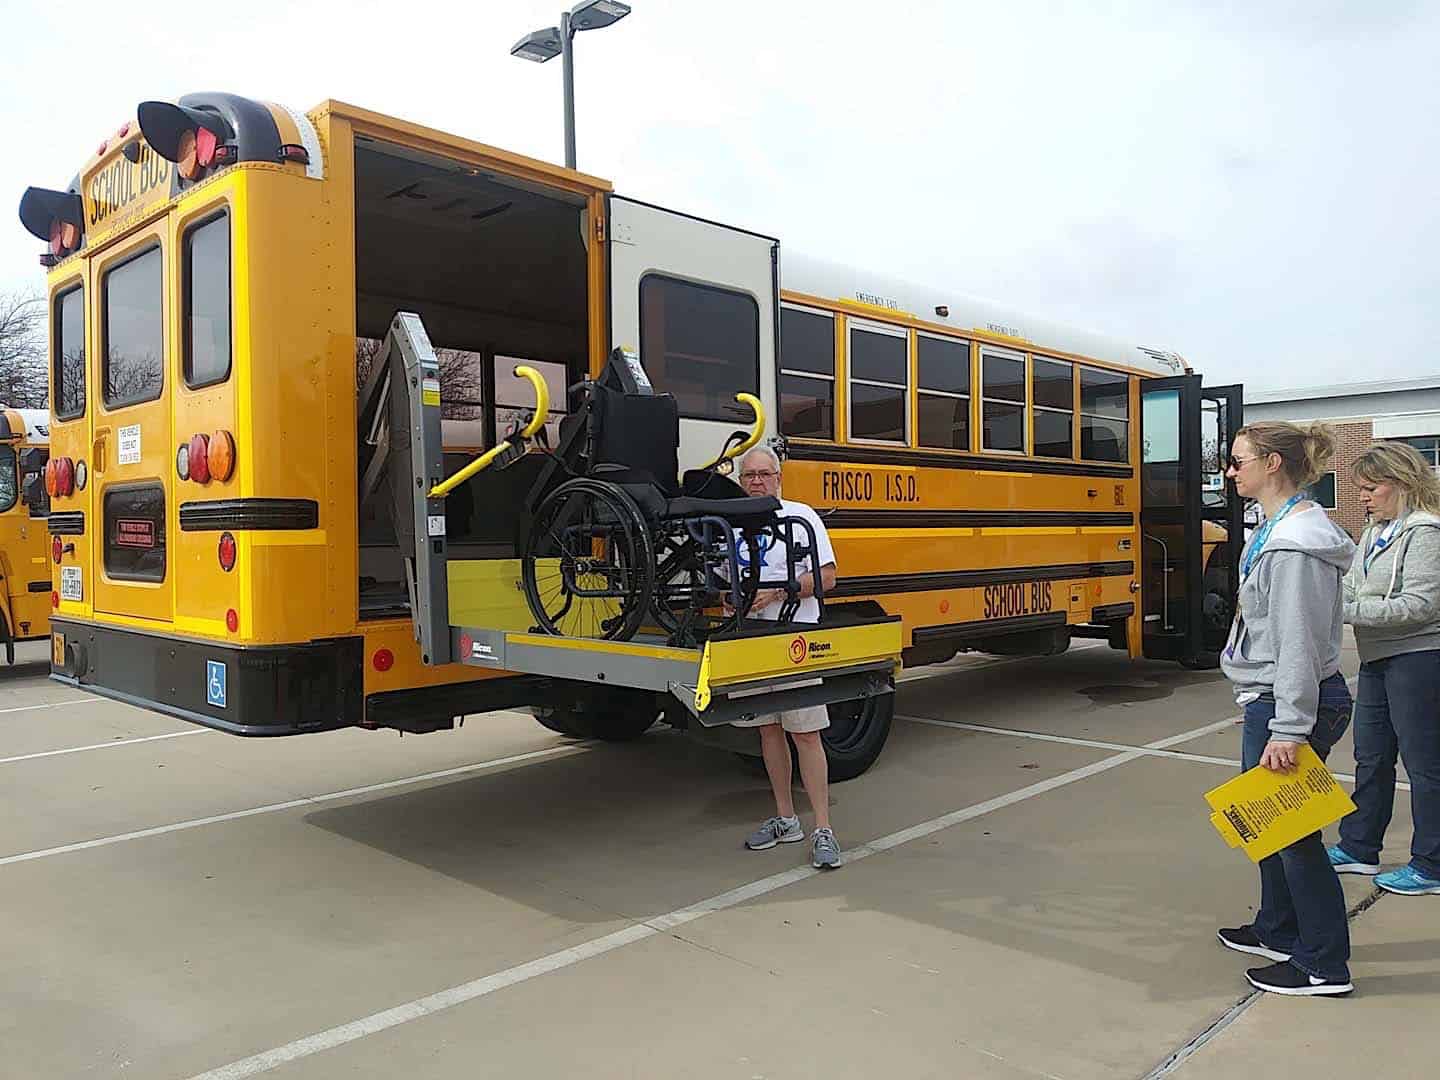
x=698, y=302
x=1190, y=518
x=132, y=454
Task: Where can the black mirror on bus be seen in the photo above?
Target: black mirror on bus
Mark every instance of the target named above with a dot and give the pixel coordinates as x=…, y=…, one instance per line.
x=33, y=459
x=36, y=498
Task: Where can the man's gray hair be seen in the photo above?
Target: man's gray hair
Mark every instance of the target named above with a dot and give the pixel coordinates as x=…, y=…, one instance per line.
x=761, y=448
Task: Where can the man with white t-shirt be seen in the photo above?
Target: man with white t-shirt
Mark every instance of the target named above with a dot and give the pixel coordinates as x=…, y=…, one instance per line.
x=760, y=475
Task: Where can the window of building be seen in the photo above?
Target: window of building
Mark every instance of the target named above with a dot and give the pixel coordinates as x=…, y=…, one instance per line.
x=207, y=302
x=807, y=373
x=1053, y=386
x=1104, y=415
x=68, y=362
x=1002, y=403
x=134, y=330
x=943, y=401
x=879, y=382
x=700, y=343
x=1429, y=448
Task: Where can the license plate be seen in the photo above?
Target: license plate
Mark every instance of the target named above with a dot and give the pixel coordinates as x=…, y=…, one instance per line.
x=57, y=650
x=70, y=583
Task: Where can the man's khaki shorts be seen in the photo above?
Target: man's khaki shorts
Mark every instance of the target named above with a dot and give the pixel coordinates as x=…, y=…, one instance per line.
x=811, y=718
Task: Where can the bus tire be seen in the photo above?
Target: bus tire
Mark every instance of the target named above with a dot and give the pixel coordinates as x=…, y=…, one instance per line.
x=561, y=720
x=856, y=735
x=618, y=718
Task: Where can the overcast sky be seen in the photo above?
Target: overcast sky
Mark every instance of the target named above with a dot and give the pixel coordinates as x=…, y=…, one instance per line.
x=1251, y=184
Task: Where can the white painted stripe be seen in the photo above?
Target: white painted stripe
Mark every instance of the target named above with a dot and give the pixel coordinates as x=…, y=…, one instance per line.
x=53, y=704
x=304, y=800
x=101, y=746
x=647, y=928
x=1096, y=744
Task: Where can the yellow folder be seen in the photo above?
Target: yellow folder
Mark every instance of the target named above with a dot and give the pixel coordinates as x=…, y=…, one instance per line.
x=1261, y=811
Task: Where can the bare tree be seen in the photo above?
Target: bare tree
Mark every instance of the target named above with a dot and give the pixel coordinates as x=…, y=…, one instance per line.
x=24, y=380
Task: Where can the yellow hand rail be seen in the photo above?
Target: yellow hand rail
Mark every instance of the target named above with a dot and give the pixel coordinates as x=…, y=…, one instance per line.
x=757, y=429
x=542, y=410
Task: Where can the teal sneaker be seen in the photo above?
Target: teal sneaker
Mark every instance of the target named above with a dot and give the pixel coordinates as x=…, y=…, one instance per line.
x=1407, y=881
x=1341, y=860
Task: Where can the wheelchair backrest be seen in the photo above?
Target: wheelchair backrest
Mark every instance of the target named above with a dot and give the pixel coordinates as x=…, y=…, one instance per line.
x=638, y=432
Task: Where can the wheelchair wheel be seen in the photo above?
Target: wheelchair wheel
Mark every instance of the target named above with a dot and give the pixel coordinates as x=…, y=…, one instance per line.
x=690, y=597
x=589, y=566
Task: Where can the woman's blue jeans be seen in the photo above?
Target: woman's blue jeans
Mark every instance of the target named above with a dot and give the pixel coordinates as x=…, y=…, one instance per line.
x=1397, y=713
x=1302, y=906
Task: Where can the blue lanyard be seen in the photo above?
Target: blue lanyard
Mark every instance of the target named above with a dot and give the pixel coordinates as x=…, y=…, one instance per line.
x=1381, y=542
x=1262, y=535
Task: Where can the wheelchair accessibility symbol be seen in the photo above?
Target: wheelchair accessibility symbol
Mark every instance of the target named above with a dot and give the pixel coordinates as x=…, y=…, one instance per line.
x=215, y=683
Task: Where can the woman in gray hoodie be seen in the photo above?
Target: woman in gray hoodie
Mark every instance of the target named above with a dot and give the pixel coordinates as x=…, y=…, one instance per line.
x=1392, y=598
x=1283, y=657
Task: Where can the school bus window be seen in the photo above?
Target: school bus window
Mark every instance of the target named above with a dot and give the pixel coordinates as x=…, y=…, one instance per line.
x=206, y=272
x=1002, y=384
x=1053, y=388
x=807, y=374
x=943, y=374
x=134, y=341
x=9, y=479
x=879, y=383
x=1104, y=415
x=700, y=343
x=515, y=399
x=69, y=357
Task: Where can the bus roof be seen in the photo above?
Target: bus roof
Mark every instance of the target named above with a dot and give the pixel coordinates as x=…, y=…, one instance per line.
x=892, y=296
x=30, y=426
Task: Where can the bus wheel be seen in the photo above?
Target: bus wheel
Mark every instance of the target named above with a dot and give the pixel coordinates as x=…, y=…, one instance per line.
x=617, y=718
x=857, y=733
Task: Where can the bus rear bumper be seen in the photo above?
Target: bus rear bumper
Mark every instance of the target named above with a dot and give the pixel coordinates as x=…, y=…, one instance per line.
x=256, y=690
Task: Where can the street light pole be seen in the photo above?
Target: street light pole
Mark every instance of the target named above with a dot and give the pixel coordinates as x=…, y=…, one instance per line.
x=542, y=45
x=567, y=60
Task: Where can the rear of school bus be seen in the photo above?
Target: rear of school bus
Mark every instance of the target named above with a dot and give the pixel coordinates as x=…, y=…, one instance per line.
x=24, y=544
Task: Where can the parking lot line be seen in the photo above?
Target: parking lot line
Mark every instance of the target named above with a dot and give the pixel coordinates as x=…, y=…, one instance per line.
x=648, y=928
x=52, y=704
x=100, y=746
x=305, y=800
x=1097, y=744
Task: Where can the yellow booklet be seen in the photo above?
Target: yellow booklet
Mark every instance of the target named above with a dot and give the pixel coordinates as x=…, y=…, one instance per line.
x=1261, y=811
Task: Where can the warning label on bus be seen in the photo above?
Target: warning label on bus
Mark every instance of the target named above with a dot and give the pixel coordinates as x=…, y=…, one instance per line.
x=134, y=533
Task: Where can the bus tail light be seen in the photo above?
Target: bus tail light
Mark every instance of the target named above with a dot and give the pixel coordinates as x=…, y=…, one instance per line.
x=54, y=599
x=232, y=620
x=57, y=550
x=182, y=461
x=226, y=552
x=220, y=458
x=82, y=475
x=55, y=217
x=383, y=659
x=59, y=477
x=51, y=468
x=198, y=456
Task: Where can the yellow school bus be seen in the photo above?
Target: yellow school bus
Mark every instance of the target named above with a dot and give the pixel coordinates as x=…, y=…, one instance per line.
x=266, y=323
x=24, y=543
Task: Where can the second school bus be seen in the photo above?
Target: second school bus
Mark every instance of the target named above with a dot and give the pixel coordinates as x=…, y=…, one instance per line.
x=221, y=265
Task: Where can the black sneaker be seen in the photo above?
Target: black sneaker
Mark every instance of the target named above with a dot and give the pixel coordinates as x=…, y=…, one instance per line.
x=1286, y=978
x=1243, y=939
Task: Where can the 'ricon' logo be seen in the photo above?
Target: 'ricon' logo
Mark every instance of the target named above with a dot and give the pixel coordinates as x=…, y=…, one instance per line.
x=798, y=649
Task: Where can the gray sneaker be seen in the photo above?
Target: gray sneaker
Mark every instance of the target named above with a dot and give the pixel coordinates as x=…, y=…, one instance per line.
x=777, y=830
x=824, y=850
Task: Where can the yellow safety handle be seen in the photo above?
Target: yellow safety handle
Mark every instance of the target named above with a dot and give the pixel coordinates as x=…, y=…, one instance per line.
x=542, y=410
x=757, y=429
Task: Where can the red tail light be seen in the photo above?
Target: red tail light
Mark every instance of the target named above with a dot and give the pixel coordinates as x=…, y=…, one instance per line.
x=232, y=620
x=54, y=599
x=226, y=552
x=221, y=456
x=64, y=476
x=383, y=659
x=199, y=459
x=57, y=550
x=51, y=472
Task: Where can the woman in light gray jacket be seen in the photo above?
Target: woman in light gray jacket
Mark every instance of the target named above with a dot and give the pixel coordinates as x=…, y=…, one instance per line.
x=1392, y=599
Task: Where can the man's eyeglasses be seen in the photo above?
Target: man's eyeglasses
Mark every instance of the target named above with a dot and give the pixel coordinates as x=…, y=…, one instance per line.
x=758, y=474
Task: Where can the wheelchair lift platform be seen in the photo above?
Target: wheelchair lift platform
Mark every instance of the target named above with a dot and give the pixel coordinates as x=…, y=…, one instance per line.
x=760, y=667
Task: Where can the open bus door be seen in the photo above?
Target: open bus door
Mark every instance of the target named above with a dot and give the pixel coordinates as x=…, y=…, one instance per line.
x=1190, y=518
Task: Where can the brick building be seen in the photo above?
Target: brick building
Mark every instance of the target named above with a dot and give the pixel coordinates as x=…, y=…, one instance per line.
x=1360, y=413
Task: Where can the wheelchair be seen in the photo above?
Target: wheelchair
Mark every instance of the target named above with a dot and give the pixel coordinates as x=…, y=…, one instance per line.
x=624, y=545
